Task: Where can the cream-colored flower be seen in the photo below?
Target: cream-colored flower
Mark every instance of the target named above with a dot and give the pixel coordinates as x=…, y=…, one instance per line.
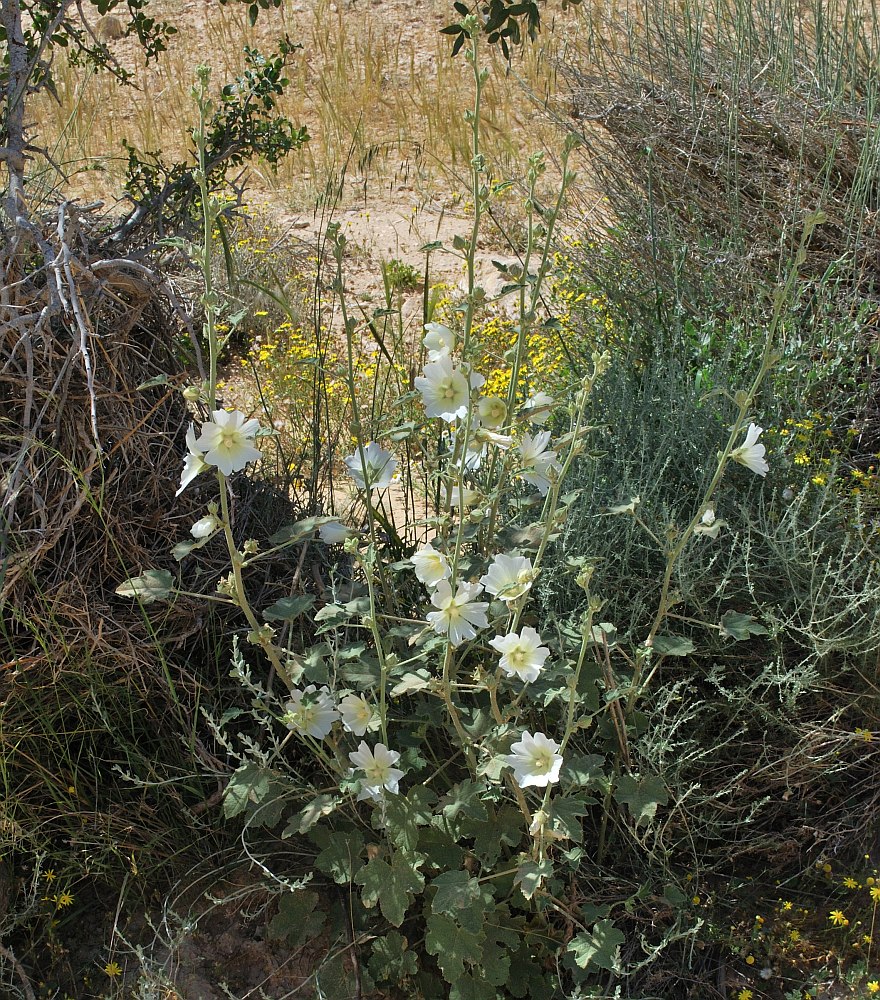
x=380, y=775
x=357, y=714
x=430, y=565
x=522, y=655
x=539, y=461
x=508, y=577
x=439, y=341
x=227, y=441
x=376, y=472
x=535, y=761
x=750, y=453
x=446, y=389
x=311, y=711
x=194, y=463
x=205, y=526
x=538, y=408
x=459, y=616
x=492, y=411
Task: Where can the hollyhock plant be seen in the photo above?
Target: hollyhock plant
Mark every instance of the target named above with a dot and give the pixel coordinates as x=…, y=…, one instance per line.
x=430, y=565
x=508, y=577
x=311, y=712
x=460, y=616
x=535, y=760
x=205, y=526
x=227, y=441
x=750, y=453
x=538, y=407
x=380, y=775
x=522, y=655
x=492, y=411
x=376, y=472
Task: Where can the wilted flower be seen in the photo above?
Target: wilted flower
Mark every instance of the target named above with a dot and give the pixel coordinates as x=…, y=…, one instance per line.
x=463, y=497
x=492, y=411
x=378, y=471
x=459, y=615
x=311, y=712
x=430, y=565
x=508, y=577
x=194, y=463
x=709, y=525
x=446, y=389
x=357, y=714
x=502, y=441
x=333, y=532
x=538, y=461
x=379, y=774
x=538, y=407
x=227, y=441
x=750, y=453
x=439, y=341
x=205, y=526
x=522, y=655
x=535, y=761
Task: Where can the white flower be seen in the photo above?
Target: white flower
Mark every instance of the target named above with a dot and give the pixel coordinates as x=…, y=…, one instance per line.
x=431, y=566
x=539, y=462
x=205, y=526
x=508, y=577
x=194, y=463
x=535, y=760
x=357, y=714
x=377, y=473
x=333, y=532
x=379, y=774
x=750, y=453
x=228, y=440
x=522, y=655
x=459, y=616
x=446, y=389
x=311, y=712
x=492, y=411
x=439, y=341
x=537, y=408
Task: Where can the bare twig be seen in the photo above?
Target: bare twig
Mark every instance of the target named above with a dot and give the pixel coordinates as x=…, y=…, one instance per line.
x=19, y=969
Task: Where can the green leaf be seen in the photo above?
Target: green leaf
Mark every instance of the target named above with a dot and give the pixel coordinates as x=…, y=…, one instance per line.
x=152, y=382
x=737, y=626
x=531, y=874
x=288, y=608
x=565, y=817
x=391, y=886
x=673, y=645
x=464, y=801
x=151, y=585
x=258, y=791
x=403, y=815
x=391, y=960
x=470, y=987
x=453, y=945
x=317, y=809
x=504, y=827
x=455, y=891
x=340, y=857
x=598, y=948
x=641, y=796
x=586, y=772
x=296, y=919
x=412, y=680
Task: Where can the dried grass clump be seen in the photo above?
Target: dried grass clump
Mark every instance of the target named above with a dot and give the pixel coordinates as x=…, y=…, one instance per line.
x=90, y=466
x=712, y=129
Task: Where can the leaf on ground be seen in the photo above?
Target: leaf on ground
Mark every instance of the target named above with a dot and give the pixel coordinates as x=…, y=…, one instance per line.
x=296, y=918
x=151, y=585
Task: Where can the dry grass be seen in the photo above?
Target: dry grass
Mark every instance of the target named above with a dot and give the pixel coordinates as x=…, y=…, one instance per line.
x=377, y=89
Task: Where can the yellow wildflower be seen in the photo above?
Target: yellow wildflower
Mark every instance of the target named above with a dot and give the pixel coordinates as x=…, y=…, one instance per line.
x=65, y=899
x=112, y=970
x=874, y=986
x=837, y=918
x=850, y=882
x=875, y=893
